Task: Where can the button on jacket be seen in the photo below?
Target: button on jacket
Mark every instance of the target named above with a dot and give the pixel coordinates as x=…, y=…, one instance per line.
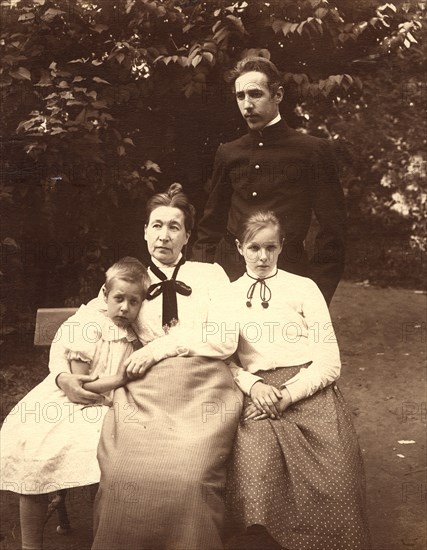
x=294, y=175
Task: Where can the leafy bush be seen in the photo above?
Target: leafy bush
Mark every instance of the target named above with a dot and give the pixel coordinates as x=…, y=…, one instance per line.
x=106, y=101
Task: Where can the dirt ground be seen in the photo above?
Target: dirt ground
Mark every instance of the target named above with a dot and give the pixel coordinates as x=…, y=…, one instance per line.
x=382, y=336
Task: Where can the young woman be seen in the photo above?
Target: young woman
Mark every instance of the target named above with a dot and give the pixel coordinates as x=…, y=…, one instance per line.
x=296, y=467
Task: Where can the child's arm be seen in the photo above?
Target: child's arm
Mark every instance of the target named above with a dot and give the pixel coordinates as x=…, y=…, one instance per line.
x=79, y=367
x=102, y=385
x=106, y=383
x=60, y=367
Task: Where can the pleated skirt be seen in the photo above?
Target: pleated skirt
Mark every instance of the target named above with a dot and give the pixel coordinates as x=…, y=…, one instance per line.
x=163, y=453
x=301, y=476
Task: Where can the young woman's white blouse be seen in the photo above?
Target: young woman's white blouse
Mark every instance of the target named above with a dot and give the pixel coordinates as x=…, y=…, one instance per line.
x=293, y=330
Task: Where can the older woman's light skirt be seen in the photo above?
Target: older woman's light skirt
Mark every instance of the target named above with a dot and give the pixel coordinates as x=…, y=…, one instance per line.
x=163, y=453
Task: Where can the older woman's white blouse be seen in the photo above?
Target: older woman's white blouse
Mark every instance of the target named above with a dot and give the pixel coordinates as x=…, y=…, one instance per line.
x=202, y=317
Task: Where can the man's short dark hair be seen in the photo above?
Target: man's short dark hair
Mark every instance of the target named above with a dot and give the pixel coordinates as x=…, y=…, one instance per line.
x=259, y=64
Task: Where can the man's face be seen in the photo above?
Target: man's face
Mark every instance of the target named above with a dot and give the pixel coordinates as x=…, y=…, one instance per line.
x=257, y=105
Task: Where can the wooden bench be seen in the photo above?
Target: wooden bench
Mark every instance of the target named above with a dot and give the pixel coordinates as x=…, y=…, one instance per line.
x=48, y=321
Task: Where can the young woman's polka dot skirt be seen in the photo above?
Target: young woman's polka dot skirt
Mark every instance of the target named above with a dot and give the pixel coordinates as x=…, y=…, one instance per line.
x=301, y=476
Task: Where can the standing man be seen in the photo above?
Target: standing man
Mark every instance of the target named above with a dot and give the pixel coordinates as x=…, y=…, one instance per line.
x=274, y=167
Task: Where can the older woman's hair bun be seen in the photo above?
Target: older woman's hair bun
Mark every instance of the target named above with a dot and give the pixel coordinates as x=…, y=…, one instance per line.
x=174, y=189
x=176, y=198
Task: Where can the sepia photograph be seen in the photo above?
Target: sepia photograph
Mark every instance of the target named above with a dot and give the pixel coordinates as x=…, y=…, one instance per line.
x=213, y=314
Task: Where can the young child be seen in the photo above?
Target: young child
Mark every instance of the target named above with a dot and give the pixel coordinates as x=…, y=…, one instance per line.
x=296, y=468
x=49, y=443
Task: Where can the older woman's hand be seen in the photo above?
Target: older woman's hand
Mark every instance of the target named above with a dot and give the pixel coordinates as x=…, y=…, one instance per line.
x=139, y=363
x=72, y=386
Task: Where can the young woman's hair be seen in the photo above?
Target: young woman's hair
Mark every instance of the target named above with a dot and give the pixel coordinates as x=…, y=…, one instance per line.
x=174, y=197
x=128, y=269
x=256, y=222
x=259, y=64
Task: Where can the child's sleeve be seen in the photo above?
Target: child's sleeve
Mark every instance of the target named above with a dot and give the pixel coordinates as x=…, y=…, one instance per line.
x=76, y=339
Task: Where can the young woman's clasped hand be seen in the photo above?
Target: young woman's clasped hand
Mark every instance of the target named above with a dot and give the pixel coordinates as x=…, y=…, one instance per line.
x=266, y=402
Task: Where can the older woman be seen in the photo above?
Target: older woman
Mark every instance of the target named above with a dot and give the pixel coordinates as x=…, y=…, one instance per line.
x=165, y=442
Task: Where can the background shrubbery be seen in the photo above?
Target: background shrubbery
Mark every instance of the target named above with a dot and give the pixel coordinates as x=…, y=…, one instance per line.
x=106, y=101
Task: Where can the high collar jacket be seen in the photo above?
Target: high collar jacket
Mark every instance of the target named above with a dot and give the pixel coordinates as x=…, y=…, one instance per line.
x=292, y=174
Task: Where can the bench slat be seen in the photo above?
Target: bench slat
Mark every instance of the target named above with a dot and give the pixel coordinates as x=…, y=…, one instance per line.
x=48, y=321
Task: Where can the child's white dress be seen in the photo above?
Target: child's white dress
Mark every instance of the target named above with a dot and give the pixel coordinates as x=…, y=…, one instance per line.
x=49, y=443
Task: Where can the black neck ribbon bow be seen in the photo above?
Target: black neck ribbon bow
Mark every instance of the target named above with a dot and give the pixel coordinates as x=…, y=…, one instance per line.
x=169, y=288
x=264, y=291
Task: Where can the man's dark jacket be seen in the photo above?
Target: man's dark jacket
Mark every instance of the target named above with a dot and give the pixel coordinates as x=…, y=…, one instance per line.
x=292, y=174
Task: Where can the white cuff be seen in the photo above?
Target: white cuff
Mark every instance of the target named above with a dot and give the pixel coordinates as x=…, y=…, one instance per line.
x=166, y=346
x=245, y=380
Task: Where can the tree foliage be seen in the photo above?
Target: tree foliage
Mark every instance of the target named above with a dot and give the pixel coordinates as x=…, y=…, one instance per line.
x=105, y=101
x=384, y=136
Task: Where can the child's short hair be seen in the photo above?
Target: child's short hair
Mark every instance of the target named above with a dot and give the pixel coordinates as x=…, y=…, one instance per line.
x=128, y=269
x=256, y=222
